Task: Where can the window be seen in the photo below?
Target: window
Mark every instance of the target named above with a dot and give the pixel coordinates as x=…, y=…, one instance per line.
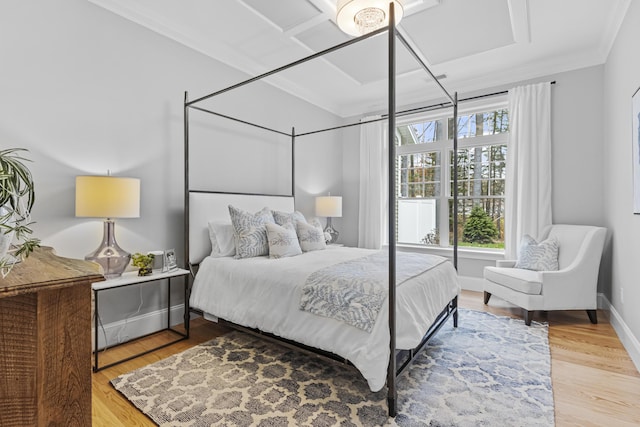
x=425, y=170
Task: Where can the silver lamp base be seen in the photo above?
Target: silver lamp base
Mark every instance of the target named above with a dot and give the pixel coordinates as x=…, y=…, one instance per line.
x=332, y=232
x=113, y=259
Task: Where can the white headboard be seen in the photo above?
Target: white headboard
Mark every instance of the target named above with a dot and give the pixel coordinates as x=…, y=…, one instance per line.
x=205, y=207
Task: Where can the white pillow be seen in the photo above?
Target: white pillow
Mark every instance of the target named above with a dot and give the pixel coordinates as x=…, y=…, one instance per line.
x=283, y=241
x=222, y=239
x=250, y=231
x=536, y=256
x=284, y=218
x=311, y=238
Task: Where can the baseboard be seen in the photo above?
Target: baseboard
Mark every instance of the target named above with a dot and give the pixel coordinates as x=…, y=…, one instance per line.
x=629, y=341
x=124, y=330
x=471, y=283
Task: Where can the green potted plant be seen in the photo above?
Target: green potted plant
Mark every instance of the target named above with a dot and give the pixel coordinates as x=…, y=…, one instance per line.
x=17, y=196
x=143, y=262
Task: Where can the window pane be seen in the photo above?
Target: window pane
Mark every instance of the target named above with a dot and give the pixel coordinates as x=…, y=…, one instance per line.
x=477, y=171
x=466, y=126
x=494, y=122
x=421, y=133
x=419, y=175
x=418, y=221
x=480, y=222
x=478, y=124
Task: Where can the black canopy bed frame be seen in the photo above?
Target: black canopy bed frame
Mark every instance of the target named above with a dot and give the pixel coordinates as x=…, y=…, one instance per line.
x=402, y=358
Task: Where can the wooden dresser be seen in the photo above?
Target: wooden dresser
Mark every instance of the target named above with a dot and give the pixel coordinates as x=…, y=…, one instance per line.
x=45, y=341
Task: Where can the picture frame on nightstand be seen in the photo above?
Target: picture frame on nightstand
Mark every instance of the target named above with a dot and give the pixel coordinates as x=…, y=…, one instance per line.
x=169, y=262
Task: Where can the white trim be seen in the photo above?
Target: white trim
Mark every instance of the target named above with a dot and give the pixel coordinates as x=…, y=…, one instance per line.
x=629, y=341
x=612, y=28
x=469, y=283
x=137, y=326
x=447, y=251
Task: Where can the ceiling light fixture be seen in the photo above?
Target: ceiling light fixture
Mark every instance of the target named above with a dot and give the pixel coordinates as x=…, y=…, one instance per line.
x=359, y=17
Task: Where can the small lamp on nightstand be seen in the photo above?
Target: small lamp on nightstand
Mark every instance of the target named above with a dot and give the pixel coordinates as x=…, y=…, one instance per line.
x=329, y=207
x=108, y=197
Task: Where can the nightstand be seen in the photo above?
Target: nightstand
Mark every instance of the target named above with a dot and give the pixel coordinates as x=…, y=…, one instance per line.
x=130, y=279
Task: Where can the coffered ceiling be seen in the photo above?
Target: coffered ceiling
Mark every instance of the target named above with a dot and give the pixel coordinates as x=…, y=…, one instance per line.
x=468, y=44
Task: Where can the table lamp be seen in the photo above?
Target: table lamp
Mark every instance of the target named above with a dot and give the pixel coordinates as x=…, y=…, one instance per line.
x=329, y=206
x=108, y=197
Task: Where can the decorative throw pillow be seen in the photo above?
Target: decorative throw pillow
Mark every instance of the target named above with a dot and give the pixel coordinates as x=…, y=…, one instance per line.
x=311, y=238
x=284, y=218
x=283, y=241
x=536, y=256
x=250, y=231
x=316, y=222
x=222, y=239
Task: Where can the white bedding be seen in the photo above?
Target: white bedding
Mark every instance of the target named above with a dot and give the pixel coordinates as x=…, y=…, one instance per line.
x=265, y=293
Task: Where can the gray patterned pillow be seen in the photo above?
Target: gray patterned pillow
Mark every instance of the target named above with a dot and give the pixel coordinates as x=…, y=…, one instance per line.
x=311, y=238
x=284, y=218
x=250, y=231
x=283, y=241
x=536, y=256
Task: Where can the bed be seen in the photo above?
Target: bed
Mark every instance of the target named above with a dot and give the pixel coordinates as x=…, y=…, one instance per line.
x=265, y=294
x=270, y=306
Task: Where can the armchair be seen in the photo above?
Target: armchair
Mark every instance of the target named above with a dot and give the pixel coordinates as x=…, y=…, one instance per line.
x=572, y=287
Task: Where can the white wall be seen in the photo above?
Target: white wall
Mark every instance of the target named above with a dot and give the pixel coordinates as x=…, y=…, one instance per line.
x=87, y=91
x=621, y=80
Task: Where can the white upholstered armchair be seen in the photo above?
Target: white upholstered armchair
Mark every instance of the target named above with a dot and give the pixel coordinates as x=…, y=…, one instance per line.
x=572, y=287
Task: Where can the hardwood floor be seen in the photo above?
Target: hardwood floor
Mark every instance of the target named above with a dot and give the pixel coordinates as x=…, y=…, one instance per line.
x=595, y=383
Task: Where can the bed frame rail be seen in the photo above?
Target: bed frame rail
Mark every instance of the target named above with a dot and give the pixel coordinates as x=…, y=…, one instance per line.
x=403, y=358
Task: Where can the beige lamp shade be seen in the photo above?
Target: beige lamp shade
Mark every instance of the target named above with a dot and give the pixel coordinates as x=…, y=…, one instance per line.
x=107, y=197
x=329, y=206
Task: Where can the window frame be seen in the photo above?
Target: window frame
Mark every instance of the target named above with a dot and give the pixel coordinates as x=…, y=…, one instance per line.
x=445, y=147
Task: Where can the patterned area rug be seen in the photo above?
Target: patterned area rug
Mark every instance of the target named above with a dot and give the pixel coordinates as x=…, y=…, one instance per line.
x=490, y=371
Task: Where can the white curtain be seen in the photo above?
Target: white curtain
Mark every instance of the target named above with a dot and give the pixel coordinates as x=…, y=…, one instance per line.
x=373, y=184
x=528, y=179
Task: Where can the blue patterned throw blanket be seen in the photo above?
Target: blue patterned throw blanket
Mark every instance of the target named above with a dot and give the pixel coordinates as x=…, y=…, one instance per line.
x=354, y=291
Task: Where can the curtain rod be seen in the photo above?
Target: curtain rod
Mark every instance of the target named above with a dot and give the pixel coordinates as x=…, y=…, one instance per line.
x=504, y=92
x=446, y=104
x=410, y=111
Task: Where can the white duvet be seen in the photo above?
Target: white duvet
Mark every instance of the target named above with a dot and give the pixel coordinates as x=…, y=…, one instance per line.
x=265, y=293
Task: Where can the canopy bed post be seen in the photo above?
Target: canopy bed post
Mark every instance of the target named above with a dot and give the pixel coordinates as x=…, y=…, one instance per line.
x=189, y=278
x=293, y=161
x=455, y=182
x=454, y=302
x=186, y=176
x=392, y=392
